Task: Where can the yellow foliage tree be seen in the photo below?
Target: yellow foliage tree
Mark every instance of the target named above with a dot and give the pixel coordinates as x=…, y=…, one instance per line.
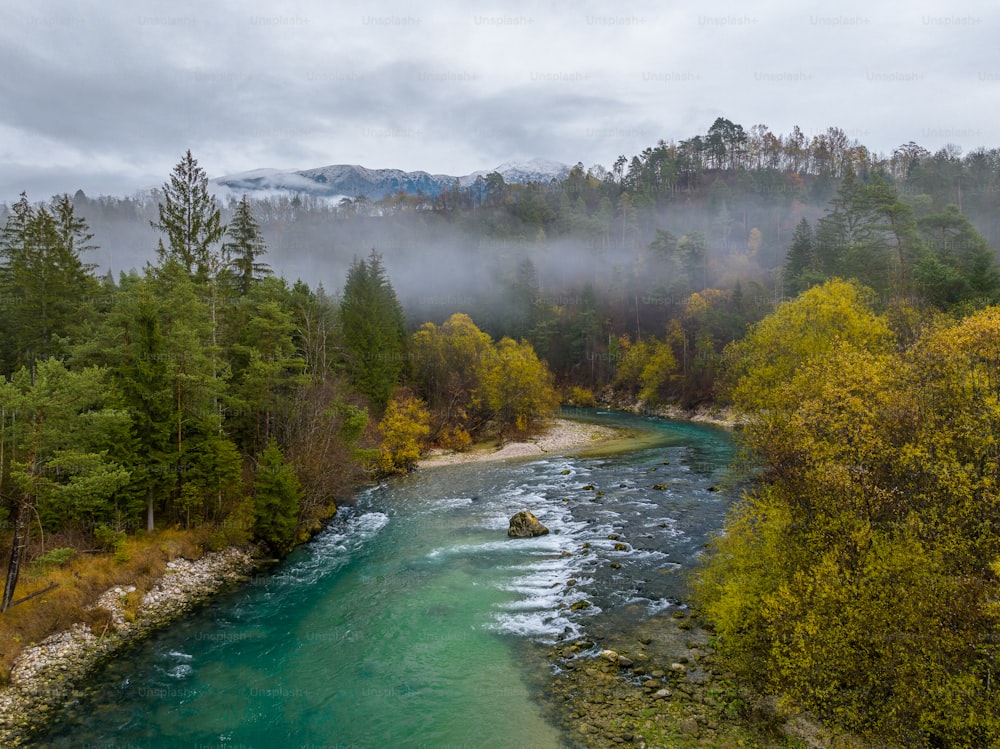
x=517, y=388
x=449, y=362
x=404, y=428
x=859, y=577
x=470, y=382
x=802, y=329
x=645, y=369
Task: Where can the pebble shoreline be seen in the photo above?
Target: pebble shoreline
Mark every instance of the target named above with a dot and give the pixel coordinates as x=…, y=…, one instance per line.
x=560, y=435
x=47, y=676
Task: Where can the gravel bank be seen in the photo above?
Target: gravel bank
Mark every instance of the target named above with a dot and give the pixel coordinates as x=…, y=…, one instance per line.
x=560, y=436
x=47, y=676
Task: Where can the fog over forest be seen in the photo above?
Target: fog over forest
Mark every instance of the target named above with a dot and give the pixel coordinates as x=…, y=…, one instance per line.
x=717, y=210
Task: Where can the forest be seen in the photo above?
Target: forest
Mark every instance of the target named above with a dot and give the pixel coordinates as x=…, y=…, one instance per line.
x=162, y=374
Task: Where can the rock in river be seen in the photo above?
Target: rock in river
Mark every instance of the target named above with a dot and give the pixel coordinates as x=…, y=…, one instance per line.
x=525, y=525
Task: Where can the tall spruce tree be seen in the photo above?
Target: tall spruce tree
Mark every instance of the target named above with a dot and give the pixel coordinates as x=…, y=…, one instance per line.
x=143, y=377
x=245, y=248
x=799, y=270
x=190, y=218
x=374, y=330
x=277, y=495
x=59, y=468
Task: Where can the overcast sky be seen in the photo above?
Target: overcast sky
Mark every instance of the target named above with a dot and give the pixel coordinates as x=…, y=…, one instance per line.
x=106, y=96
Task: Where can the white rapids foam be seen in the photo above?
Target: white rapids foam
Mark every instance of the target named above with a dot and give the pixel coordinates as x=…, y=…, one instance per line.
x=333, y=548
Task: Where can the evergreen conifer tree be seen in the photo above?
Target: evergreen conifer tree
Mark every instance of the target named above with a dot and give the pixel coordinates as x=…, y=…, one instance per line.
x=374, y=330
x=190, y=219
x=244, y=248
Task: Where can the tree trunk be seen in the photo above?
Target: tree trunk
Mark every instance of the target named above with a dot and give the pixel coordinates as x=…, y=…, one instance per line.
x=17, y=552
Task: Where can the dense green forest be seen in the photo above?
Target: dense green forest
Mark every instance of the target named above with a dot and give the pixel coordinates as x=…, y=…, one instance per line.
x=842, y=301
x=206, y=393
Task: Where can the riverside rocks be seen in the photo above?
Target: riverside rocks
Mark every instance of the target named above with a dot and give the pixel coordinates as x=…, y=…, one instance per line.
x=626, y=692
x=526, y=525
x=46, y=676
x=652, y=683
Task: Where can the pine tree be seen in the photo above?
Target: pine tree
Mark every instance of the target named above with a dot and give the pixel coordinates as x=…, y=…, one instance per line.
x=144, y=379
x=374, y=330
x=277, y=496
x=868, y=234
x=47, y=287
x=958, y=265
x=266, y=368
x=190, y=218
x=245, y=248
x=58, y=465
x=800, y=261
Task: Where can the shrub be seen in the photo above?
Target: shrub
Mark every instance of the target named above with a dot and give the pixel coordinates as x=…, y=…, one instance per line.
x=108, y=539
x=52, y=559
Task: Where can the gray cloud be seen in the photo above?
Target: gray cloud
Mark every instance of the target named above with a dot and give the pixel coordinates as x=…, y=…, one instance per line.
x=107, y=99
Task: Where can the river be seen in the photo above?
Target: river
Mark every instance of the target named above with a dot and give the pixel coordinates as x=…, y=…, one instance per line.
x=404, y=623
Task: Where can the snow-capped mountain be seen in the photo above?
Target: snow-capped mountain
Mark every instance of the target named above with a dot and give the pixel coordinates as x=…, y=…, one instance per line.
x=536, y=170
x=352, y=180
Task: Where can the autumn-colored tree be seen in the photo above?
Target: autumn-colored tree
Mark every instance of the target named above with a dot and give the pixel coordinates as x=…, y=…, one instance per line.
x=517, y=388
x=448, y=366
x=798, y=330
x=857, y=577
x=403, y=428
x=323, y=429
x=471, y=383
x=645, y=369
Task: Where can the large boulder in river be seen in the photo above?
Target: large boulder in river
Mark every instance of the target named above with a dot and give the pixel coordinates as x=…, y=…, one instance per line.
x=525, y=525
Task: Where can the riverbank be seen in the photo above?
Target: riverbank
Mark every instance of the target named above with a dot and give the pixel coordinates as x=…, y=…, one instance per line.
x=656, y=685
x=653, y=682
x=559, y=435
x=720, y=416
x=47, y=677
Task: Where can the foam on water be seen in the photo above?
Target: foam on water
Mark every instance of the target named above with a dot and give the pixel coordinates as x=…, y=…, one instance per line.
x=542, y=609
x=447, y=503
x=333, y=548
x=178, y=665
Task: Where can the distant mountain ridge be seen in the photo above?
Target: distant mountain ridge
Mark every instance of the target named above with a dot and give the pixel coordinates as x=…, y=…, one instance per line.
x=352, y=180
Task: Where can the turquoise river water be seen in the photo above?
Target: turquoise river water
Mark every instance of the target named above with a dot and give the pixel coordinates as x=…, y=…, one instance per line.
x=411, y=620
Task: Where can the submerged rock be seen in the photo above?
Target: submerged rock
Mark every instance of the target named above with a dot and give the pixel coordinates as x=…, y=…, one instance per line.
x=526, y=525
